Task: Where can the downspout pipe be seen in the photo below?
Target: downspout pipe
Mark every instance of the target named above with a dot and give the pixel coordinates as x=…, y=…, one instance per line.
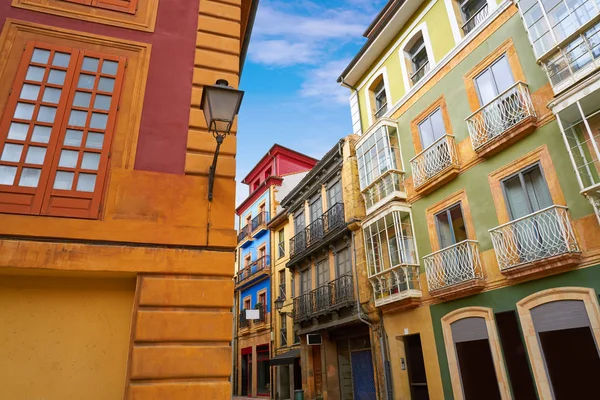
x=366, y=320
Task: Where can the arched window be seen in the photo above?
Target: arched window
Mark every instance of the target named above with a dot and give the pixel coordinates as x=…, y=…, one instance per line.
x=416, y=56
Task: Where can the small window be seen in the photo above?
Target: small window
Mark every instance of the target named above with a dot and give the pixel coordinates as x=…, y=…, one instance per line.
x=418, y=60
x=451, y=226
x=262, y=252
x=282, y=285
x=526, y=192
x=473, y=12
x=246, y=304
x=293, y=286
x=305, y=281
x=281, y=244
x=322, y=272
x=57, y=131
x=334, y=194
x=432, y=128
x=380, y=97
x=494, y=80
x=299, y=223
x=316, y=209
x=343, y=262
x=283, y=328
x=128, y=6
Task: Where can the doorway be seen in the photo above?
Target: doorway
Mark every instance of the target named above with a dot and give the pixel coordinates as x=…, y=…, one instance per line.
x=246, y=374
x=415, y=363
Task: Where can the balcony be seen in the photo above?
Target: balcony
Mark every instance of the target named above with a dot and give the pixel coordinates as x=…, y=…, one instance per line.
x=435, y=165
x=506, y=119
x=455, y=271
x=399, y=285
x=325, y=299
x=246, y=325
x=259, y=223
x=536, y=243
x=388, y=186
x=244, y=235
x=475, y=19
x=253, y=273
x=319, y=232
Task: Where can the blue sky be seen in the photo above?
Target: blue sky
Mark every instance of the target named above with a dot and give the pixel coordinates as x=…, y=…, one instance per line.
x=297, y=51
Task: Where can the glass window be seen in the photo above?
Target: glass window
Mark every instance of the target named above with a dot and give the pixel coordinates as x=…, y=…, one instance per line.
x=473, y=13
x=494, y=80
x=526, y=192
x=282, y=284
x=283, y=328
x=281, y=243
x=378, y=154
x=418, y=59
x=451, y=226
x=343, y=262
x=380, y=99
x=322, y=272
x=432, y=128
x=305, y=281
x=299, y=223
x=334, y=194
x=316, y=209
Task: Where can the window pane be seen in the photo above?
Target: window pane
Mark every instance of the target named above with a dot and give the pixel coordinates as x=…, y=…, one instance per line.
x=82, y=99
x=90, y=161
x=35, y=155
x=30, y=92
x=106, y=84
x=94, y=140
x=86, y=182
x=502, y=74
x=35, y=74
x=437, y=123
x=7, y=175
x=57, y=77
x=86, y=81
x=41, y=134
x=426, y=132
x=24, y=111
x=18, y=131
x=46, y=114
x=51, y=95
x=102, y=102
x=517, y=199
x=12, y=152
x=30, y=177
x=61, y=60
x=68, y=158
x=40, y=56
x=109, y=67
x=78, y=118
x=99, y=121
x=90, y=64
x=444, y=230
x=73, y=138
x=64, y=180
x=486, y=88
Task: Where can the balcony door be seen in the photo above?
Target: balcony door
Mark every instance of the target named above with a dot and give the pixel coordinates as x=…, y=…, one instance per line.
x=334, y=194
x=316, y=223
x=451, y=229
x=494, y=80
x=322, y=294
x=305, y=288
x=536, y=235
x=432, y=128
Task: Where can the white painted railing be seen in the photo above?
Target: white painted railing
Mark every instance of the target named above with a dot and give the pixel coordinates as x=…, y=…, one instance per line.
x=477, y=18
x=438, y=156
x=505, y=111
x=453, y=265
x=396, y=284
x=543, y=234
x=391, y=181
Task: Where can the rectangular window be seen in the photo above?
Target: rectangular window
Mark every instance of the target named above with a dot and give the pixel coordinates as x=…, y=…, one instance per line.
x=451, y=226
x=343, y=262
x=526, y=192
x=322, y=272
x=334, y=194
x=473, y=13
x=246, y=304
x=128, y=6
x=299, y=223
x=305, y=281
x=262, y=299
x=283, y=329
x=293, y=282
x=432, y=128
x=282, y=285
x=418, y=60
x=494, y=80
x=281, y=243
x=380, y=99
x=316, y=209
x=378, y=154
x=56, y=132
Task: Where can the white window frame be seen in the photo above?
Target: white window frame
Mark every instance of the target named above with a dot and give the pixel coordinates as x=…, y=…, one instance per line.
x=404, y=51
x=386, y=84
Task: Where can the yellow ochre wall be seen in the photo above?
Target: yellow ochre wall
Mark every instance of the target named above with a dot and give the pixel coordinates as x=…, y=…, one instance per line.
x=53, y=329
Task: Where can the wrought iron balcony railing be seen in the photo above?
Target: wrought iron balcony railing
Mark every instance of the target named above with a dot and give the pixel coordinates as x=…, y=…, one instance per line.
x=313, y=234
x=501, y=114
x=434, y=159
x=262, y=313
x=537, y=236
x=397, y=283
x=453, y=265
x=260, y=220
x=258, y=267
x=324, y=299
x=475, y=19
x=420, y=73
x=244, y=233
x=244, y=323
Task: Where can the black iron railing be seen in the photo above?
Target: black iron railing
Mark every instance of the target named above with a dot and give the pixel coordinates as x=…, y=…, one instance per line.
x=244, y=233
x=244, y=323
x=324, y=299
x=313, y=234
x=262, y=313
x=261, y=219
x=257, y=267
x=475, y=19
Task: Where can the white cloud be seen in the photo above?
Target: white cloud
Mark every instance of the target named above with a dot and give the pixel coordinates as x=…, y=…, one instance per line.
x=321, y=83
x=282, y=53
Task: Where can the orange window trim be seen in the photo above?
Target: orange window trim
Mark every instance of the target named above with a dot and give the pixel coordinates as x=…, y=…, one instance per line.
x=74, y=201
x=414, y=124
x=455, y=198
x=128, y=6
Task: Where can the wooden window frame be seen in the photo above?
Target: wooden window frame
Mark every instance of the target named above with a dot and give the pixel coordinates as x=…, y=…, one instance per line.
x=433, y=210
x=247, y=299
x=534, y=350
x=15, y=36
x=497, y=355
x=440, y=103
x=262, y=247
x=507, y=48
x=258, y=295
x=540, y=156
x=108, y=12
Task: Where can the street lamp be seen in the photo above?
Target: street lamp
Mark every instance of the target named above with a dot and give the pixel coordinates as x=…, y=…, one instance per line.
x=279, y=303
x=220, y=103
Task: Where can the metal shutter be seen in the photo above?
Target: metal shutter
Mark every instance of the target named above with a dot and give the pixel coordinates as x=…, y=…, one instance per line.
x=469, y=329
x=559, y=315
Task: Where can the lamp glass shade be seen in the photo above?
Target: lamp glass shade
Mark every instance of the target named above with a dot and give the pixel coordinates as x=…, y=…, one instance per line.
x=220, y=105
x=279, y=303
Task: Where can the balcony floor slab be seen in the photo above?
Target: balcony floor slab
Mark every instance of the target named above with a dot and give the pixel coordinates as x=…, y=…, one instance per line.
x=438, y=180
x=459, y=290
x=547, y=266
x=507, y=138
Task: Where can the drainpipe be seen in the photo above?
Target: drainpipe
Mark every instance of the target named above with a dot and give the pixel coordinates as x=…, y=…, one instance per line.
x=366, y=321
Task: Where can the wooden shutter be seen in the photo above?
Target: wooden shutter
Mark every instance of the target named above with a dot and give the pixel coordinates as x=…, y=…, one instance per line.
x=79, y=169
x=30, y=126
x=537, y=190
x=128, y=6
